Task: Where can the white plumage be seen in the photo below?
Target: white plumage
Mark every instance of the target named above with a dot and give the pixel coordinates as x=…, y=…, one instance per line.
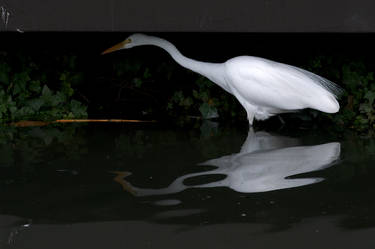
x=263, y=87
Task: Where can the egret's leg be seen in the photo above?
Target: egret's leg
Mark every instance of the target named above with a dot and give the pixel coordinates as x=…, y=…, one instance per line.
x=250, y=117
x=281, y=120
x=250, y=110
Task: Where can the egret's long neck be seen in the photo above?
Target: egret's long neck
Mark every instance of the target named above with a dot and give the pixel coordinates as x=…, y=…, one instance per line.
x=213, y=71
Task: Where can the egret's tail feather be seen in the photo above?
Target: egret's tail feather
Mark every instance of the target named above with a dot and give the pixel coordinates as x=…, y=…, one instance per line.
x=327, y=84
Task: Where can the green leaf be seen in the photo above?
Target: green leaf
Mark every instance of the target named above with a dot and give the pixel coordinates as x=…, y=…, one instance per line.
x=77, y=109
x=63, y=77
x=4, y=73
x=187, y=102
x=195, y=94
x=3, y=109
x=370, y=96
x=59, y=98
x=147, y=74
x=67, y=89
x=24, y=112
x=20, y=81
x=170, y=106
x=34, y=86
x=178, y=97
x=137, y=82
x=208, y=111
x=204, y=96
x=46, y=91
x=36, y=104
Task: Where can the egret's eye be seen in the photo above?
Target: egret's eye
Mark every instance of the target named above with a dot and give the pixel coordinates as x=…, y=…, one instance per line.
x=129, y=40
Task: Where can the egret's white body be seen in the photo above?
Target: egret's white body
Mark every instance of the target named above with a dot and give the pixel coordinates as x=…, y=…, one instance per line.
x=263, y=87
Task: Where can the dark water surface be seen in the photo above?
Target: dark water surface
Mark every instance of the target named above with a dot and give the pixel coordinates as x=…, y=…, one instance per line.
x=149, y=186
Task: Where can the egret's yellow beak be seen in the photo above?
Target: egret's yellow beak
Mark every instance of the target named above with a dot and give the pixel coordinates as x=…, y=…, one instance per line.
x=116, y=47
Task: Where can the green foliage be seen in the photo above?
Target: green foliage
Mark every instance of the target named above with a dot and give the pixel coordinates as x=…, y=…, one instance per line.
x=131, y=74
x=204, y=96
x=26, y=94
x=133, y=81
x=184, y=95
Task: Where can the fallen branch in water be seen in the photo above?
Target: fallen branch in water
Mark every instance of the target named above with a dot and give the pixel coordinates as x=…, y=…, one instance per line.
x=26, y=123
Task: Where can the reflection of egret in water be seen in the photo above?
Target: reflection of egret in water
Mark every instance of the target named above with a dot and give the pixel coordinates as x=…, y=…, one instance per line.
x=265, y=163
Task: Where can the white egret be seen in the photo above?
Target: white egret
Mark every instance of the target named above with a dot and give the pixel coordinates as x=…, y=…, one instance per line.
x=263, y=87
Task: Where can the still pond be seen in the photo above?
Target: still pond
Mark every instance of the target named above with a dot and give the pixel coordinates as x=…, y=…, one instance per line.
x=154, y=186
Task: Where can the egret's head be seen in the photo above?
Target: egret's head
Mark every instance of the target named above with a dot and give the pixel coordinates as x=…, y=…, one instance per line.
x=131, y=41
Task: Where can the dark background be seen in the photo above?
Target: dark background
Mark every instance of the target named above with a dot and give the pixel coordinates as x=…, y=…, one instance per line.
x=191, y=16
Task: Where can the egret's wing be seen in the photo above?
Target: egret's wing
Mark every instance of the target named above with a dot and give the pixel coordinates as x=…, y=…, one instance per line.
x=267, y=83
x=327, y=84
